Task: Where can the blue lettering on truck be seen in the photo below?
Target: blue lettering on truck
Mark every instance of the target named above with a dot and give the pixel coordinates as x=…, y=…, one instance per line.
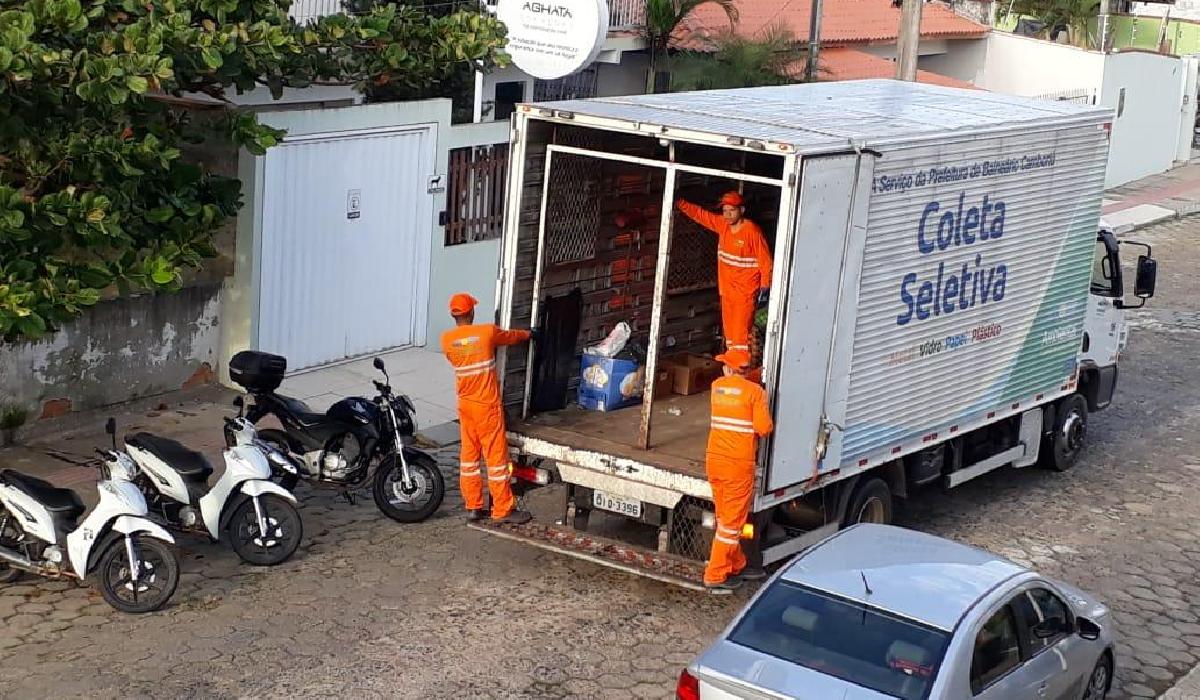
x=943, y=228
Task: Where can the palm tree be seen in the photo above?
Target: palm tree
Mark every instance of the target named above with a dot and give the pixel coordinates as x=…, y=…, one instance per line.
x=664, y=18
x=771, y=59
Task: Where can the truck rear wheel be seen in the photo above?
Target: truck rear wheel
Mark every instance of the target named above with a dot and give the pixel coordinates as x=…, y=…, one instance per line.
x=871, y=502
x=1061, y=448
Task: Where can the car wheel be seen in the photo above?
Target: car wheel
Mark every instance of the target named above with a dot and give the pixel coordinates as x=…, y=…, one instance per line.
x=871, y=502
x=1100, y=680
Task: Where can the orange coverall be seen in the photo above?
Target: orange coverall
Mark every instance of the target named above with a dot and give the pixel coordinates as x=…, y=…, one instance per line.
x=471, y=350
x=743, y=267
x=739, y=417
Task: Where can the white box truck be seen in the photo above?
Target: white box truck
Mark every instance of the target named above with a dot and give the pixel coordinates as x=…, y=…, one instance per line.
x=944, y=304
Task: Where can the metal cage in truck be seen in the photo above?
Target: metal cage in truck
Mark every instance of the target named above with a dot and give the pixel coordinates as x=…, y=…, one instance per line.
x=934, y=252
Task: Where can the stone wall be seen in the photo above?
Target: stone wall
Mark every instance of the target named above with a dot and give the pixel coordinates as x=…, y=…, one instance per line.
x=119, y=350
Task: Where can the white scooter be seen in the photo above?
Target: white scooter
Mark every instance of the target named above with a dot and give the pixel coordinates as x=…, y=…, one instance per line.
x=132, y=559
x=258, y=517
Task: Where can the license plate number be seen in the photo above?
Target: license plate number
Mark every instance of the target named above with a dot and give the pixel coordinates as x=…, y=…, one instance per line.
x=616, y=504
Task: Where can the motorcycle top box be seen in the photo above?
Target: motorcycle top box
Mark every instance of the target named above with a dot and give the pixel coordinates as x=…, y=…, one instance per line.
x=257, y=371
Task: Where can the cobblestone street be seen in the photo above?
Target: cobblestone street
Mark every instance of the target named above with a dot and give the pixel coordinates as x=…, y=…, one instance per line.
x=370, y=608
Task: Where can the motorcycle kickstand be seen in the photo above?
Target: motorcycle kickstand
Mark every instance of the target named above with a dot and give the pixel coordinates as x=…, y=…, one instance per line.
x=349, y=497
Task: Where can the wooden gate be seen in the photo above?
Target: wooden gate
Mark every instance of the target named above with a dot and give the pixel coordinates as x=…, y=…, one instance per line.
x=475, y=195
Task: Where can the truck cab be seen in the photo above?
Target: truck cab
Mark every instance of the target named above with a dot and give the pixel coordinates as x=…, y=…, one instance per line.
x=1106, y=329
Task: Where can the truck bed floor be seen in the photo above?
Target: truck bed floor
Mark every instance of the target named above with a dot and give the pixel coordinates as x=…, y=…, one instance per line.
x=667, y=568
x=678, y=432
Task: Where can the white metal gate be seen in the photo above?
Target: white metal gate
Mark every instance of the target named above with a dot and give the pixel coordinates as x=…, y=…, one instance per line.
x=344, y=255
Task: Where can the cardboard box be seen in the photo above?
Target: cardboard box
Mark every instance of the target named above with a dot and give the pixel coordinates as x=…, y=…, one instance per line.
x=691, y=373
x=664, y=382
x=607, y=384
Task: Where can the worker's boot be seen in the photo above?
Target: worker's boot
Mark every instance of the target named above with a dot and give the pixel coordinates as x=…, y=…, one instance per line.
x=517, y=517
x=751, y=574
x=725, y=587
x=474, y=516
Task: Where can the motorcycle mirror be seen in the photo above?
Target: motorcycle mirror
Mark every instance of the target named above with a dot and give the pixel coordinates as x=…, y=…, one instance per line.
x=379, y=364
x=110, y=427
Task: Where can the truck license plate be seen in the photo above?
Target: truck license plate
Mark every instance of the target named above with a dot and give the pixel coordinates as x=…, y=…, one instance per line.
x=616, y=504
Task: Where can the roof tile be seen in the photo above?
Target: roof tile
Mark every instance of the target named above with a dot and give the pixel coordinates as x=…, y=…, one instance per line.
x=842, y=22
x=843, y=63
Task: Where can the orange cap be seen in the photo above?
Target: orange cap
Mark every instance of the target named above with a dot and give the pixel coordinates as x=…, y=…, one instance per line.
x=462, y=304
x=735, y=359
x=732, y=199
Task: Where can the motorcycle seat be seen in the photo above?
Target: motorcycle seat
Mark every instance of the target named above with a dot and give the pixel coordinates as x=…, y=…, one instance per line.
x=63, y=503
x=189, y=464
x=302, y=412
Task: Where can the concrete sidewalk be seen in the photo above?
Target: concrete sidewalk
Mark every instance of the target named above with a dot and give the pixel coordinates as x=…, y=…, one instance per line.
x=1171, y=195
x=422, y=374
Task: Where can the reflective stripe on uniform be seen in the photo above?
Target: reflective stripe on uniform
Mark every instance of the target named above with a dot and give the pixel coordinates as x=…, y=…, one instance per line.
x=735, y=260
x=500, y=473
x=732, y=428
x=475, y=369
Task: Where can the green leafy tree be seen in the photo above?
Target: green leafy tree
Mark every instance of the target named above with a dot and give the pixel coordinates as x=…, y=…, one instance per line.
x=95, y=192
x=771, y=59
x=1077, y=16
x=663, y=21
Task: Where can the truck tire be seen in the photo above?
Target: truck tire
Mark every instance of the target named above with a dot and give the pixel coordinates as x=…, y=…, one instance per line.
x=1062, y=447
x=871, y=502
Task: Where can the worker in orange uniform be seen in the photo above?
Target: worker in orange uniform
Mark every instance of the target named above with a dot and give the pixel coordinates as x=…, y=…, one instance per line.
x=739, y=417
x=743, y=265
x=471, y=350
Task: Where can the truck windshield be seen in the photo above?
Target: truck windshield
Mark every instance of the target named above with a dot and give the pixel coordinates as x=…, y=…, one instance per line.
x=839, y=638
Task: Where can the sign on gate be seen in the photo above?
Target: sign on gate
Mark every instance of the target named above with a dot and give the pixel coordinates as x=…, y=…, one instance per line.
x=549, y=39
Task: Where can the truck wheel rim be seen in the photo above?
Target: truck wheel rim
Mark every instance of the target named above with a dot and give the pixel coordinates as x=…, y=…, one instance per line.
x=1072, y=431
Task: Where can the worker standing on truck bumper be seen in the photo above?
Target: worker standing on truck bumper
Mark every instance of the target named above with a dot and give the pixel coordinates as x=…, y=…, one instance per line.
x=743, y=265
x=739, y=417
x=471, y=350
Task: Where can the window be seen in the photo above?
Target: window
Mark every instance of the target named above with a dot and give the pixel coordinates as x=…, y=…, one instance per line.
x=1106, y=268
x=997, y=650
x=843, y=639
x=1046, y=618
x=508, y=96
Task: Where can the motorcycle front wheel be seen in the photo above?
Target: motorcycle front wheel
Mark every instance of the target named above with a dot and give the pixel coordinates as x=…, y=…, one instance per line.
x=158, y=575
x=415, y=503
x=280, y=539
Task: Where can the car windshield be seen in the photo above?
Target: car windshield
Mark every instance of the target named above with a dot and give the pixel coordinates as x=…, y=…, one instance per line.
x=839, y=638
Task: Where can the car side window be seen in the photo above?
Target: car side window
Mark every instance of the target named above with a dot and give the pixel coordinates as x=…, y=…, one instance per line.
x=997, y=649
x=1046, y=618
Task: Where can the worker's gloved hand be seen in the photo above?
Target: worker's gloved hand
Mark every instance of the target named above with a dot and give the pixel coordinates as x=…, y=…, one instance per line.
x=764, y=296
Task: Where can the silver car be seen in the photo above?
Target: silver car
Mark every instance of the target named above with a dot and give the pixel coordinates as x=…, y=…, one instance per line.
x=883, y=612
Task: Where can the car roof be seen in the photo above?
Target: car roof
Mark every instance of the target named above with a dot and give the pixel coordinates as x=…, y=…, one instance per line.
x=912, y=574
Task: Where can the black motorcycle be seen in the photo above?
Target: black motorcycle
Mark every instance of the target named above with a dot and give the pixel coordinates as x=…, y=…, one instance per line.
x=355, y=442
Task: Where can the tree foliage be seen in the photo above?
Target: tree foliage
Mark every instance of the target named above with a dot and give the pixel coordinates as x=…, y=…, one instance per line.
x=663, y=20
x=95, y=192
x=1077, y=16
x=772, y=59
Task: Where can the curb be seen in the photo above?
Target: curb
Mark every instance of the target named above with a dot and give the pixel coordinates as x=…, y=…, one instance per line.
x=1184, y=212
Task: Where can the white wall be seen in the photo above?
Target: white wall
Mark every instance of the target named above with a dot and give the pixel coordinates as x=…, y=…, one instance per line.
x=962, y=59
x=467, y=267
x=1018, y=65
x=1145, y=132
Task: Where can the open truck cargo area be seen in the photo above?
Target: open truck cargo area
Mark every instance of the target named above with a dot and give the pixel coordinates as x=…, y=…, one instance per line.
x=943, y=302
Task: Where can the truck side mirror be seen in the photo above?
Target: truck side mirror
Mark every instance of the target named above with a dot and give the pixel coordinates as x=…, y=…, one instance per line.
x=1147, y=276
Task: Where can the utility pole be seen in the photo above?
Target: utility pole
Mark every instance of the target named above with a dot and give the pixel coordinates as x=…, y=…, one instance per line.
x=909, y=40
x=814, y=42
